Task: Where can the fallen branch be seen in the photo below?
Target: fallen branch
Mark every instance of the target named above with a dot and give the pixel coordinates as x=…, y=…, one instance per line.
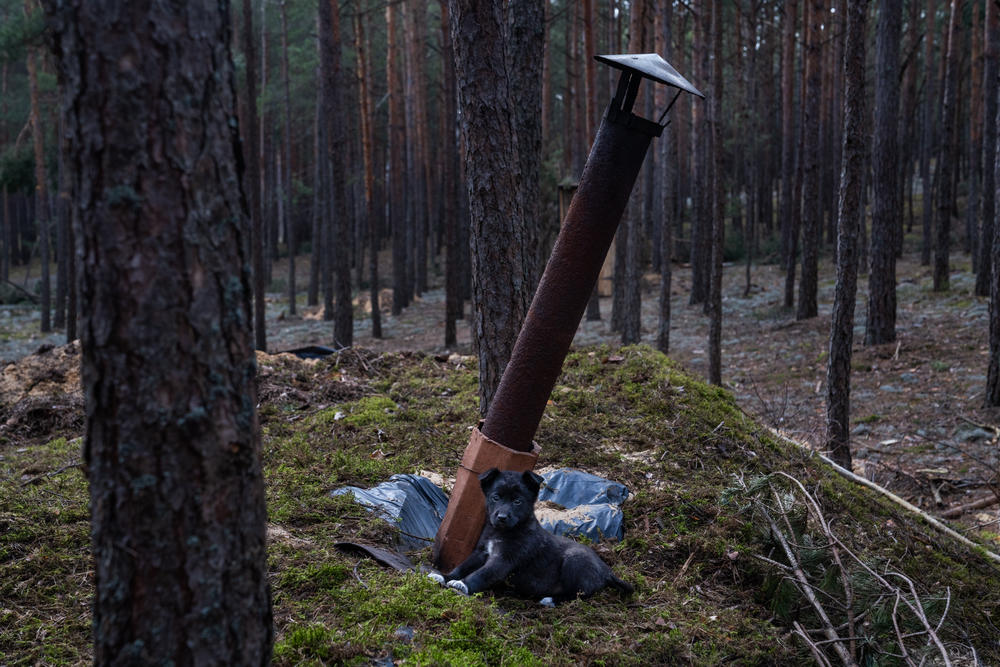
x=958, y=511
x=23, y=291
x=932, y=521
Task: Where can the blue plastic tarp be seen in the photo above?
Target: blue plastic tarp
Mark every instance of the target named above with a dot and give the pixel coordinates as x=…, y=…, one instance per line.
x=593, y=505
x=412, y=503
x=586, y=506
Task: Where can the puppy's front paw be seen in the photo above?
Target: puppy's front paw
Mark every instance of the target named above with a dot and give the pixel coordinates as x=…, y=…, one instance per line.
x=436, y=578
x=459, y=586
x=547, y=602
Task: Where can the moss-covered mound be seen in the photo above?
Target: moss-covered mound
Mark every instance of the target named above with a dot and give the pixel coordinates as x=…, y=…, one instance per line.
x=716, y=538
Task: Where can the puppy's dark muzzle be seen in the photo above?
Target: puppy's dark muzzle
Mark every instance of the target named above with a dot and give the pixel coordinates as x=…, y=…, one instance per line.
x=500, y=520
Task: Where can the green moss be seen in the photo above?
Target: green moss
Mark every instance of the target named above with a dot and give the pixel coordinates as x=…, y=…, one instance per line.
x=630, y=414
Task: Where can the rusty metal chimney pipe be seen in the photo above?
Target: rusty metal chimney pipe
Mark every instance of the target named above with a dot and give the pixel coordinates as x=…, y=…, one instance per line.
x=504, y=440
x=569, y=278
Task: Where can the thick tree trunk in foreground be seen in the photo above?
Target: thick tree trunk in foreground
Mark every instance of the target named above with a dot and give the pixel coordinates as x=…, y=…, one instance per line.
x=849, y=216
x=176, y=491
x=887, y=209
x=500, y=255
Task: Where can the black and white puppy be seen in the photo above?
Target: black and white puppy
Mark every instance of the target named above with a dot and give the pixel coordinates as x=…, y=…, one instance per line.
x=514, y=548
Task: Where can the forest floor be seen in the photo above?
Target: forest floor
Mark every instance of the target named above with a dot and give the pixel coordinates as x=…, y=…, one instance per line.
x=918, y=423
x=699, y=469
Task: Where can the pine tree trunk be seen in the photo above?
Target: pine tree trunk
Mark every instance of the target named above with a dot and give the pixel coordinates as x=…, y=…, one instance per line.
x=789, y=211
x=849, y=214
x=948, y=155
x=667, y=148
x=291, y=240
x=62, y=225
x=397, y=163
x=525, y=40
x=41, y=189
x=5, y=220
x=500, y=258
x=319, y=202
x=811, y=214
x=454, y=264
x=336, y=149
x=372, y=216
x=718, y=202
x=171, y=445
x=887, y=209
x=251, y=157
x=991, y=72
x=927, y=140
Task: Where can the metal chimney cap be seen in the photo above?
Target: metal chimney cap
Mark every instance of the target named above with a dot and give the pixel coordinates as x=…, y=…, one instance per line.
x=652, y=66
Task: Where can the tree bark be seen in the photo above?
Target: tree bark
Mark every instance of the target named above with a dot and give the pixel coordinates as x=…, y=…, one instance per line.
x=251, y=157
x=949, y=153
x=991, y=72
x=172, y=449
x=372, y=215
x=41, y=189
x=667, y=148
x=887, y=209
x=718, y=203
x=927, y=140
x=397, y=164
x=850, y=211
x=525, y=40
x=500, y=256
x=789, y=210
x=333, y=154
x=454, y=256
x=288, y=218
x=811, y=215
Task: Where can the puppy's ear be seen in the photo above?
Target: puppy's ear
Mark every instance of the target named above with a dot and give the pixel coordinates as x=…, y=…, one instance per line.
x=486, y=479
x=533, y=481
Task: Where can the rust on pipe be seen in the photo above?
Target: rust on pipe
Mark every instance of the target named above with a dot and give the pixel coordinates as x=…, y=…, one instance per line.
x=570, y=275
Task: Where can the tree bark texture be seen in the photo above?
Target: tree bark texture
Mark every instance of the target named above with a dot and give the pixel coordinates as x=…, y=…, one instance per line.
x=251, y=153
x=525, y=41
x=887, y=208
x=373, y=216
x=667, y=150
x=927, y=141
x=291, y=237
x=41, y=189
x=333, y=153
x=718, y=203
x=397, y=159
x=789, y=209
x=500, y=254
x=811, y=214
x=850, y=211
x=176, y=490
x=991, y=72
x=948, y=155
x=454, y=256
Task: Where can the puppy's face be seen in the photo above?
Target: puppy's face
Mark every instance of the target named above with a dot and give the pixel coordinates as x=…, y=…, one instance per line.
x=510, y=496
